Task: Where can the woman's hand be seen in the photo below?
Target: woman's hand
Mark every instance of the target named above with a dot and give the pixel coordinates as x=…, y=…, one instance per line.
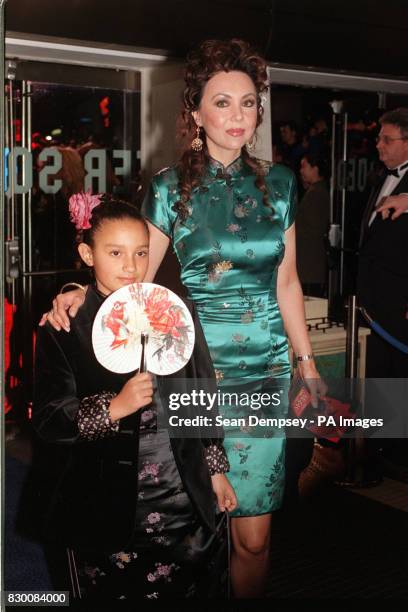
x=316, y=385
x=226, y=498
x=70, y=301
x=135, y=394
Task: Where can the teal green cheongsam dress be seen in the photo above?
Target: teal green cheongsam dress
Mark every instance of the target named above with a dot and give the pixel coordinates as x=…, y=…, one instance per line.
x=229, y=249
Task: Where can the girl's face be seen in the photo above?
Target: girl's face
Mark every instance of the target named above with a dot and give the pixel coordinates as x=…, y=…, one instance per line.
x=119, y=255
x=228, y=113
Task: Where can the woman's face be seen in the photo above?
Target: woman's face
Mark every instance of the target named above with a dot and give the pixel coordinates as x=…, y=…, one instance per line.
x=228, y=114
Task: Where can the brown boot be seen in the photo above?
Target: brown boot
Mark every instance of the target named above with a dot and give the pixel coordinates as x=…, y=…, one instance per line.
x=326, y=466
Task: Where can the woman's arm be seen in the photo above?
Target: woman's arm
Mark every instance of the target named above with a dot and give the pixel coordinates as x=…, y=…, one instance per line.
x=69, y=302
x=290, y=297
x=291, y=305
x=64, y=304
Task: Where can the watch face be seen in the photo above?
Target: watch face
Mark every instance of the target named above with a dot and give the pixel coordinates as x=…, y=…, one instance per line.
x=149, y=309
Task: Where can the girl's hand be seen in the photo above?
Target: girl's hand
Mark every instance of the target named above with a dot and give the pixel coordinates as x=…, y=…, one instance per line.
x=63, y=302
x=316, y=385
x=135, y=394
x=226, y=498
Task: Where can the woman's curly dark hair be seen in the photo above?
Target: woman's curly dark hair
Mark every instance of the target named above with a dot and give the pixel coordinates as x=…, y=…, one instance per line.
x=212, y=57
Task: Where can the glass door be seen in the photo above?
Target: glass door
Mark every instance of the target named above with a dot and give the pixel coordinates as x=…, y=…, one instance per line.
x=68, y=129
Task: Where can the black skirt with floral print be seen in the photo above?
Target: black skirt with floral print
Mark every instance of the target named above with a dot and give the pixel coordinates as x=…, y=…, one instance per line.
x=170, y=545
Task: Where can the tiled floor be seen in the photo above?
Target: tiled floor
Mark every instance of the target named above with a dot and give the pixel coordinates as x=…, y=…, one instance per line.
x=389, y=492
x=341, y=545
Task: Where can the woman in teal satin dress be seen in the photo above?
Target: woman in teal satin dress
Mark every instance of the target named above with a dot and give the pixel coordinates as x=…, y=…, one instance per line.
x=229, y=248
x=230, y=220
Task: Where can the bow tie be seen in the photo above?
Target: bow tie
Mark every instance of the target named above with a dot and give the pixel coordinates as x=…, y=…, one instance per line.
x=395, y=171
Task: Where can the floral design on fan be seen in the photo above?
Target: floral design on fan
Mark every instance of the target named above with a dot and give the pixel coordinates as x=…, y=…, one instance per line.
x=116, y=321
x=168, y=320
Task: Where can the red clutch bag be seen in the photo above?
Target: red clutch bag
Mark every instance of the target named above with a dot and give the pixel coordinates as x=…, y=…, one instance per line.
x=301, y=406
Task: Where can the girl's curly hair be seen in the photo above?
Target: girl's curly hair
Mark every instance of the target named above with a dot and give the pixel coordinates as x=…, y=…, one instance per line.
x=212, y=57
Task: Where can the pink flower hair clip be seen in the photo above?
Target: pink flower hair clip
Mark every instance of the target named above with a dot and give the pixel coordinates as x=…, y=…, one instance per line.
x=81, y=206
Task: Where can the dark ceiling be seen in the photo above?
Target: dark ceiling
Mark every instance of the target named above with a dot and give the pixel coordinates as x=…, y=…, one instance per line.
x=352, y=35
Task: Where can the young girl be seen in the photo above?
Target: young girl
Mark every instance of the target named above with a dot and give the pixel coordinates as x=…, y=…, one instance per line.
x=135, y=506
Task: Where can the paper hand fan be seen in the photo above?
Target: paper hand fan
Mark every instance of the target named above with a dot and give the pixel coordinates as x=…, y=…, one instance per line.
x=149, y=309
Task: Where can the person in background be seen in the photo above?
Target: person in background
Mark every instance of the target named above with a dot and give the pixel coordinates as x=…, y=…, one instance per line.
x=382, y=283
x=292, y=147
x=318, y=139
x=312, y=223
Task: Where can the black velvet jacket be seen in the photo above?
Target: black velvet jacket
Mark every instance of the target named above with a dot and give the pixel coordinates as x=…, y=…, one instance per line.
x=92, y=503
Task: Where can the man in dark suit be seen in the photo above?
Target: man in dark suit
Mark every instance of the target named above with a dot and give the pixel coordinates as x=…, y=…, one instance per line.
x=382, y=284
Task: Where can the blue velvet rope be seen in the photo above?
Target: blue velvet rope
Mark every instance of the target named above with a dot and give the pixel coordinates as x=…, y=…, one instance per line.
x=384, y=334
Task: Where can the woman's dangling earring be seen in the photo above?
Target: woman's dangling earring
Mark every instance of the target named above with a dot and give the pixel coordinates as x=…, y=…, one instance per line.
x=250, y=144
x=197, y=143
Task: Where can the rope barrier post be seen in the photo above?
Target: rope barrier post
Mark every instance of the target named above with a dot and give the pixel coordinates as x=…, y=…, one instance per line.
x=355, y=447
x=351, y=338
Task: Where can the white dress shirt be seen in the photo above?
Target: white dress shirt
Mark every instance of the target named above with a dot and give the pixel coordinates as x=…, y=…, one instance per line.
x=388, y=187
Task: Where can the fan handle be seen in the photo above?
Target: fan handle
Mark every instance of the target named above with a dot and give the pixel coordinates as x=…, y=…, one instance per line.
x=144, y=339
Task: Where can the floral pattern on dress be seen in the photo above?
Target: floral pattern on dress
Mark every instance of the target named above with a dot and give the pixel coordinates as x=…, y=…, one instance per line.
x=121, y=558
x=162, y=572
x=276, y=479
x=154, y=525
x=150, y=470
x=93, y=573
x=242, y=450
x=238, y=230
x=146, y=415
x=219, y=375
x=147, y=569
x=216, y=270
x=241, y=342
